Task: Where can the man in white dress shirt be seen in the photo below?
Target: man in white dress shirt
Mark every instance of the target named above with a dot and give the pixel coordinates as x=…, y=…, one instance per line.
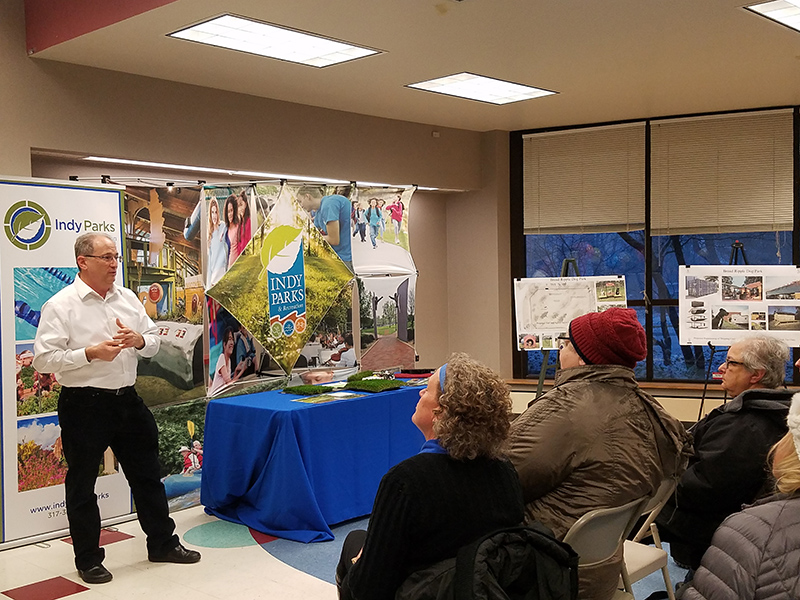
x=89, y=335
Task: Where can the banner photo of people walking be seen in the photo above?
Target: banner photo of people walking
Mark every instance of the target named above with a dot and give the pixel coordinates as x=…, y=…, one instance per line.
x=379, y=231
x=42, y=220
x=286, y=279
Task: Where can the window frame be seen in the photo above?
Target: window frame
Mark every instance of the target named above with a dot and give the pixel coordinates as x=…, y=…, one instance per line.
x=517, y=237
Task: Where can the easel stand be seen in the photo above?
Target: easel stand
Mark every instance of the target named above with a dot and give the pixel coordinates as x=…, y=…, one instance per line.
x=546, y=353
x=737, y=249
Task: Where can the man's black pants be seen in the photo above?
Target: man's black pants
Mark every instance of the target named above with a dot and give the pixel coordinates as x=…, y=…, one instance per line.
x=92, y=420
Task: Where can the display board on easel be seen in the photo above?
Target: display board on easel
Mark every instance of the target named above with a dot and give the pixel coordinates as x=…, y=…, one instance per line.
x=546, y=305
x=719, y=304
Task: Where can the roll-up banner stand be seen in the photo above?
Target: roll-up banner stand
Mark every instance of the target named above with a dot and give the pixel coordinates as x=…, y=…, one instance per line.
x=41, y=220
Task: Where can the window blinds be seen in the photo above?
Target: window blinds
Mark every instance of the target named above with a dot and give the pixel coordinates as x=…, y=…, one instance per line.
x=584, y=180
x=725, y=173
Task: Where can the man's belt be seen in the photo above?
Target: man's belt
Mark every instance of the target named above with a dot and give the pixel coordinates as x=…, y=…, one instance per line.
x=111, y=392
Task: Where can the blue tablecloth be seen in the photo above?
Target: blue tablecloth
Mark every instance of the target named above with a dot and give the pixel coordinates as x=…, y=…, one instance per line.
x=291, y=469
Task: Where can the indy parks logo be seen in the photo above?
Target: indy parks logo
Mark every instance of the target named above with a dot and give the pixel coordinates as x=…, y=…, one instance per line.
x=27, y=225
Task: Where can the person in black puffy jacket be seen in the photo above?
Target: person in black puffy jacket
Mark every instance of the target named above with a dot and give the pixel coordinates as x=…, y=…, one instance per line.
x=730, y=448
x=755, y=554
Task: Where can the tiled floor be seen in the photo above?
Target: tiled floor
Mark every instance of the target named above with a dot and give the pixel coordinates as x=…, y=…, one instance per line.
x=235, y=566
x=235, y=573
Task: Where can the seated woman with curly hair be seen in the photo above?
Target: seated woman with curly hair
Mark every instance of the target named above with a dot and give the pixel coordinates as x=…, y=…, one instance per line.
x=457, y=489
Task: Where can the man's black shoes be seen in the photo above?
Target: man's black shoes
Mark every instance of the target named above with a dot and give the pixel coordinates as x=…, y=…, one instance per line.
x=96, y=574
x=178, y=554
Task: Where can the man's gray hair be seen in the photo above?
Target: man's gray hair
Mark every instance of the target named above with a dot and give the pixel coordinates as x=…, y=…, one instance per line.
x=768, y=353
x=84, y=244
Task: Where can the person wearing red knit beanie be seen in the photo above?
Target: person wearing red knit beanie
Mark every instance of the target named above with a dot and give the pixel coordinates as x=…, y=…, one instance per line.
x=613, y=337
x=595, y=440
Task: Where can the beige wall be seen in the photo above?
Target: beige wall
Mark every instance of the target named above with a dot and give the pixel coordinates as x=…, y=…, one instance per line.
x=459, y=240
x=478, y=262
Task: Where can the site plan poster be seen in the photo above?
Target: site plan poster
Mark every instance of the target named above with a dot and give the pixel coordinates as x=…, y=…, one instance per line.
x=721, y=304
x=546, y=305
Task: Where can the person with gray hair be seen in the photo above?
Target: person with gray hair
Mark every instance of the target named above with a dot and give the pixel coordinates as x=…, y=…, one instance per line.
x=730, y=448
x=91, y=334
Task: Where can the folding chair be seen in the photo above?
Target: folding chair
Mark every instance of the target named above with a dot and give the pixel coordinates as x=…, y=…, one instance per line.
x=598, y=534
x=639, y=559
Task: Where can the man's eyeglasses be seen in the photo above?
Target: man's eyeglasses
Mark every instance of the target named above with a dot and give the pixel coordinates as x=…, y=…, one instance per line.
x=107, y=258
x=732, y=363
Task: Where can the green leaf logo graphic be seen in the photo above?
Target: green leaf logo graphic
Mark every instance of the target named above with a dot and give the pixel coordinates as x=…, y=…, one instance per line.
x=25, y=220
x=276, y=241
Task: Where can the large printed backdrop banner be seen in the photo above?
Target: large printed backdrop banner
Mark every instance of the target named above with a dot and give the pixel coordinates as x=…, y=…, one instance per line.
x=279, y=286
x=163, y=260
x=41, y=221
x=387, y=276
x=280, y=296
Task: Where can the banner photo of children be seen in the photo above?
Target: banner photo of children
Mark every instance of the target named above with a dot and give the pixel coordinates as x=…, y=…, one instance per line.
x=379, y=231
x=180, y=450
x=387, y=321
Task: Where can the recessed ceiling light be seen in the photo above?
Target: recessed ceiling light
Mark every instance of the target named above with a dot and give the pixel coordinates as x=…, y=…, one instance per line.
x=785, y=12
x=484, y=89
x=272, y=41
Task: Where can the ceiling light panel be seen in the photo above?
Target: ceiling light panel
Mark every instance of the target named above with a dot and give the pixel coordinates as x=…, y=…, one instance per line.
x=484, y=89
x=272, y=41
x=785, y=12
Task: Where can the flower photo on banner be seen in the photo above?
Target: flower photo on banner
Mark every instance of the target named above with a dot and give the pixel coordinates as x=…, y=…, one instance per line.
x=283, y=282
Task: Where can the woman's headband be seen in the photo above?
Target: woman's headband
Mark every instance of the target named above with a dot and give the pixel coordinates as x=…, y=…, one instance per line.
x=442, y=374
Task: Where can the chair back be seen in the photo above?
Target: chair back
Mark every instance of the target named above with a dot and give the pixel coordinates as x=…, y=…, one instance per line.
x=597, y=535
x=654, y=507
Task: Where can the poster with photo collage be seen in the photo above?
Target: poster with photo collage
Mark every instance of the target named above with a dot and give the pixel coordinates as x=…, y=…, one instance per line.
x=721, y=304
